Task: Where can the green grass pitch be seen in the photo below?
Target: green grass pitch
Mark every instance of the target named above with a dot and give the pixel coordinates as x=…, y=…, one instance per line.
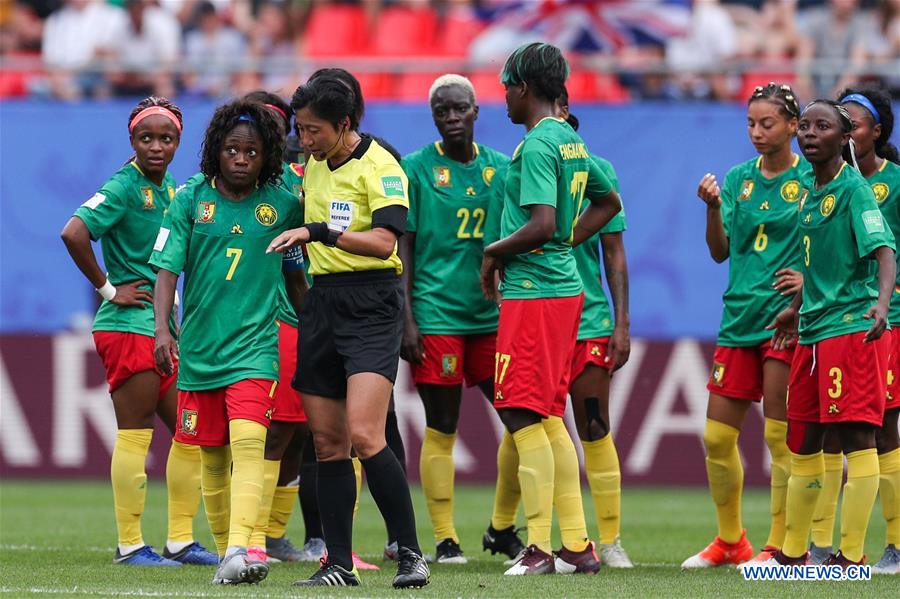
x=58, y=538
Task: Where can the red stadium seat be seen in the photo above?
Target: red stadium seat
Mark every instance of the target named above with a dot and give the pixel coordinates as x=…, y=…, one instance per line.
x=375, y=86
x=336, y=30
x=753, y=79
x=588, y=86
x=413, y=87
x=404, y=31
x=488, y=88
x=456, y=32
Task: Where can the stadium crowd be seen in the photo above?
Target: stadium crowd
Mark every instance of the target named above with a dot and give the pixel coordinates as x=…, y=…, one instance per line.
x=619, y=49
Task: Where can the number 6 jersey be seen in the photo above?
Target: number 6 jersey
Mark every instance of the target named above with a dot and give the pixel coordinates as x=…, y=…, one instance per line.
x=228, y=331
x=448, y=212
x=760, y=218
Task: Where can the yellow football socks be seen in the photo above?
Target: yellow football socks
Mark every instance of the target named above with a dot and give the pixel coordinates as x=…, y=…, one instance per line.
x=889, y=487
x=822, y=533
x=283, y=502
x=215, y=478
x=775, y=433
x=436, y=473
x=601, y=462
x=859, y=497
x=508, y=493
x=536, y=475
x=357, y=471
x=726, y=477
x=807, y=472
x=566, y=486
x=248, y=441
x=183, y=486
x=270, y=479
x=129, y=482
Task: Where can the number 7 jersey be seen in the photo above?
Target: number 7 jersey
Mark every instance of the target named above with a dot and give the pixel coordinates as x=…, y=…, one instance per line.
x=761, y=221
x=228, y=331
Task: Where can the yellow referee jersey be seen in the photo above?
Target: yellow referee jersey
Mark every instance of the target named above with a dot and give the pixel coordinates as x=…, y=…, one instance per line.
x=346, y=197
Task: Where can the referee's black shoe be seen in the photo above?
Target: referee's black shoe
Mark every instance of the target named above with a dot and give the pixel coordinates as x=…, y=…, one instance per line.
x=329, y=575
x=412, y=571
x=504, y=541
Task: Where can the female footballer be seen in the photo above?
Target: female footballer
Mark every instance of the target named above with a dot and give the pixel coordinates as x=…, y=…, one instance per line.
x=125, y=215
x=217, y=231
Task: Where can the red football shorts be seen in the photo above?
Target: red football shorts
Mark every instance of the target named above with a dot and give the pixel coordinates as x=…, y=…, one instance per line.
x=840, y=379
x=126, y=354
x=535, y=341
x=737, y=372
x=288, y=405
x=203, y=416
x=893, y=374
x=450, y=359
x=589, y=351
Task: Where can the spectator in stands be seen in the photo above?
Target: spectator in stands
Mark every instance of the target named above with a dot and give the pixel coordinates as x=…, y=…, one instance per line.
x=838, y=32
x=146, y=46
x=212, y=51
x=884, y=46
x=75, y=37
x=272, y=40
x=710, y=43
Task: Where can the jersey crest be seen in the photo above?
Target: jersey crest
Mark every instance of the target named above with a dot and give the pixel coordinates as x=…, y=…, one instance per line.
x=488, y=174
x=718, y=373
x=171, y=191
x=188, y=424
x=147, y=196
x=881, y=191
x=266, y=215
x=790, y=191
x=449, y=364
x=206, y=212
x=746, y=190
x=827, y=206
x=441, y=176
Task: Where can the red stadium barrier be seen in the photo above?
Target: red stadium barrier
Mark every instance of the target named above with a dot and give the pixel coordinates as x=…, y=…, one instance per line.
x=56, y=419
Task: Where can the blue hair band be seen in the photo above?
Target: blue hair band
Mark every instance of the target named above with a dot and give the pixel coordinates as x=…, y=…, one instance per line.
x=247, y=118
x=865, y=103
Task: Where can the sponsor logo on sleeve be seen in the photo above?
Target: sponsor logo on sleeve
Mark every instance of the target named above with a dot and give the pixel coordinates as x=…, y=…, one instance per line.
x=161, y=239
x=873, y=221
x=393, y=187
x=94, y=201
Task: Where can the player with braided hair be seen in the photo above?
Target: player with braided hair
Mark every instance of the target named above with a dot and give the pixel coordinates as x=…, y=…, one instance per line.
x=125, y=215
x=751, y=222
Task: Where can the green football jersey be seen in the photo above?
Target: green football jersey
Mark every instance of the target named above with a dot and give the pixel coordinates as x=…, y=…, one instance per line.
x=596, y=318
x=448, y=210
x=125, y=216
x=886, y=186
x=551, y=166
x=228, y=331
x=760, y=218
x=840, y=228
x=292, y=181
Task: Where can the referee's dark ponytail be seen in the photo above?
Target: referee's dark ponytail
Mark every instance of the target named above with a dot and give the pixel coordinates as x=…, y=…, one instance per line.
x=332, y=95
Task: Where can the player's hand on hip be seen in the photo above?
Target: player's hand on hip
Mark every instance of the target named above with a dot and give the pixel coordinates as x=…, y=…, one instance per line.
x=709, y=191
x=789, y=281
x=878, y=315
x=785, y=326
x=165, y=353
x=619, y=348
x=288, y=239
x=131, y=294
x=412, y=345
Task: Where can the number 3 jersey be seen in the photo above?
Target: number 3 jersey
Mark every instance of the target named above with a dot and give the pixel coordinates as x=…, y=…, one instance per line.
x=448, y=211
x=228, y=331
x=550, y=167
x=760, y=218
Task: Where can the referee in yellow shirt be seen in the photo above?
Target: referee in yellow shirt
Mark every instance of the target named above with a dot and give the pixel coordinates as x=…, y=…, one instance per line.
x=351, y=324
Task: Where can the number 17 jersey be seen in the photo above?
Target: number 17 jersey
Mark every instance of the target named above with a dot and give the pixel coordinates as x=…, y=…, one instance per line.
x=761, y=220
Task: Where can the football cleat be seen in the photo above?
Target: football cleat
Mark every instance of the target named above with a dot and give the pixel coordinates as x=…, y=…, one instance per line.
x=362, y=564
x=767, y=552
x=533, y=561
x=283, y=550
x=504, y=541
x=580, y=562
x=312, y=550
x=838, y=559
x=449, y=552
x=818, y=555
x=145, y=556
x=889, y=562
x=720, y=553
x=238, y=568
x=329, y=575
x=390, y=551
x=194, y=554
x=412, y=571
x=257, y=554
x=614, y=556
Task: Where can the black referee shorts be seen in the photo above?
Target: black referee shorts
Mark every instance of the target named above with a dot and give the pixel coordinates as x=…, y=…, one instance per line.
x=351, y=323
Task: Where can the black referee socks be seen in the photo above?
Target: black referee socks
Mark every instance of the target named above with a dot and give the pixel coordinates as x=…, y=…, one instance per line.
x=389, y=488
x=337, y=495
